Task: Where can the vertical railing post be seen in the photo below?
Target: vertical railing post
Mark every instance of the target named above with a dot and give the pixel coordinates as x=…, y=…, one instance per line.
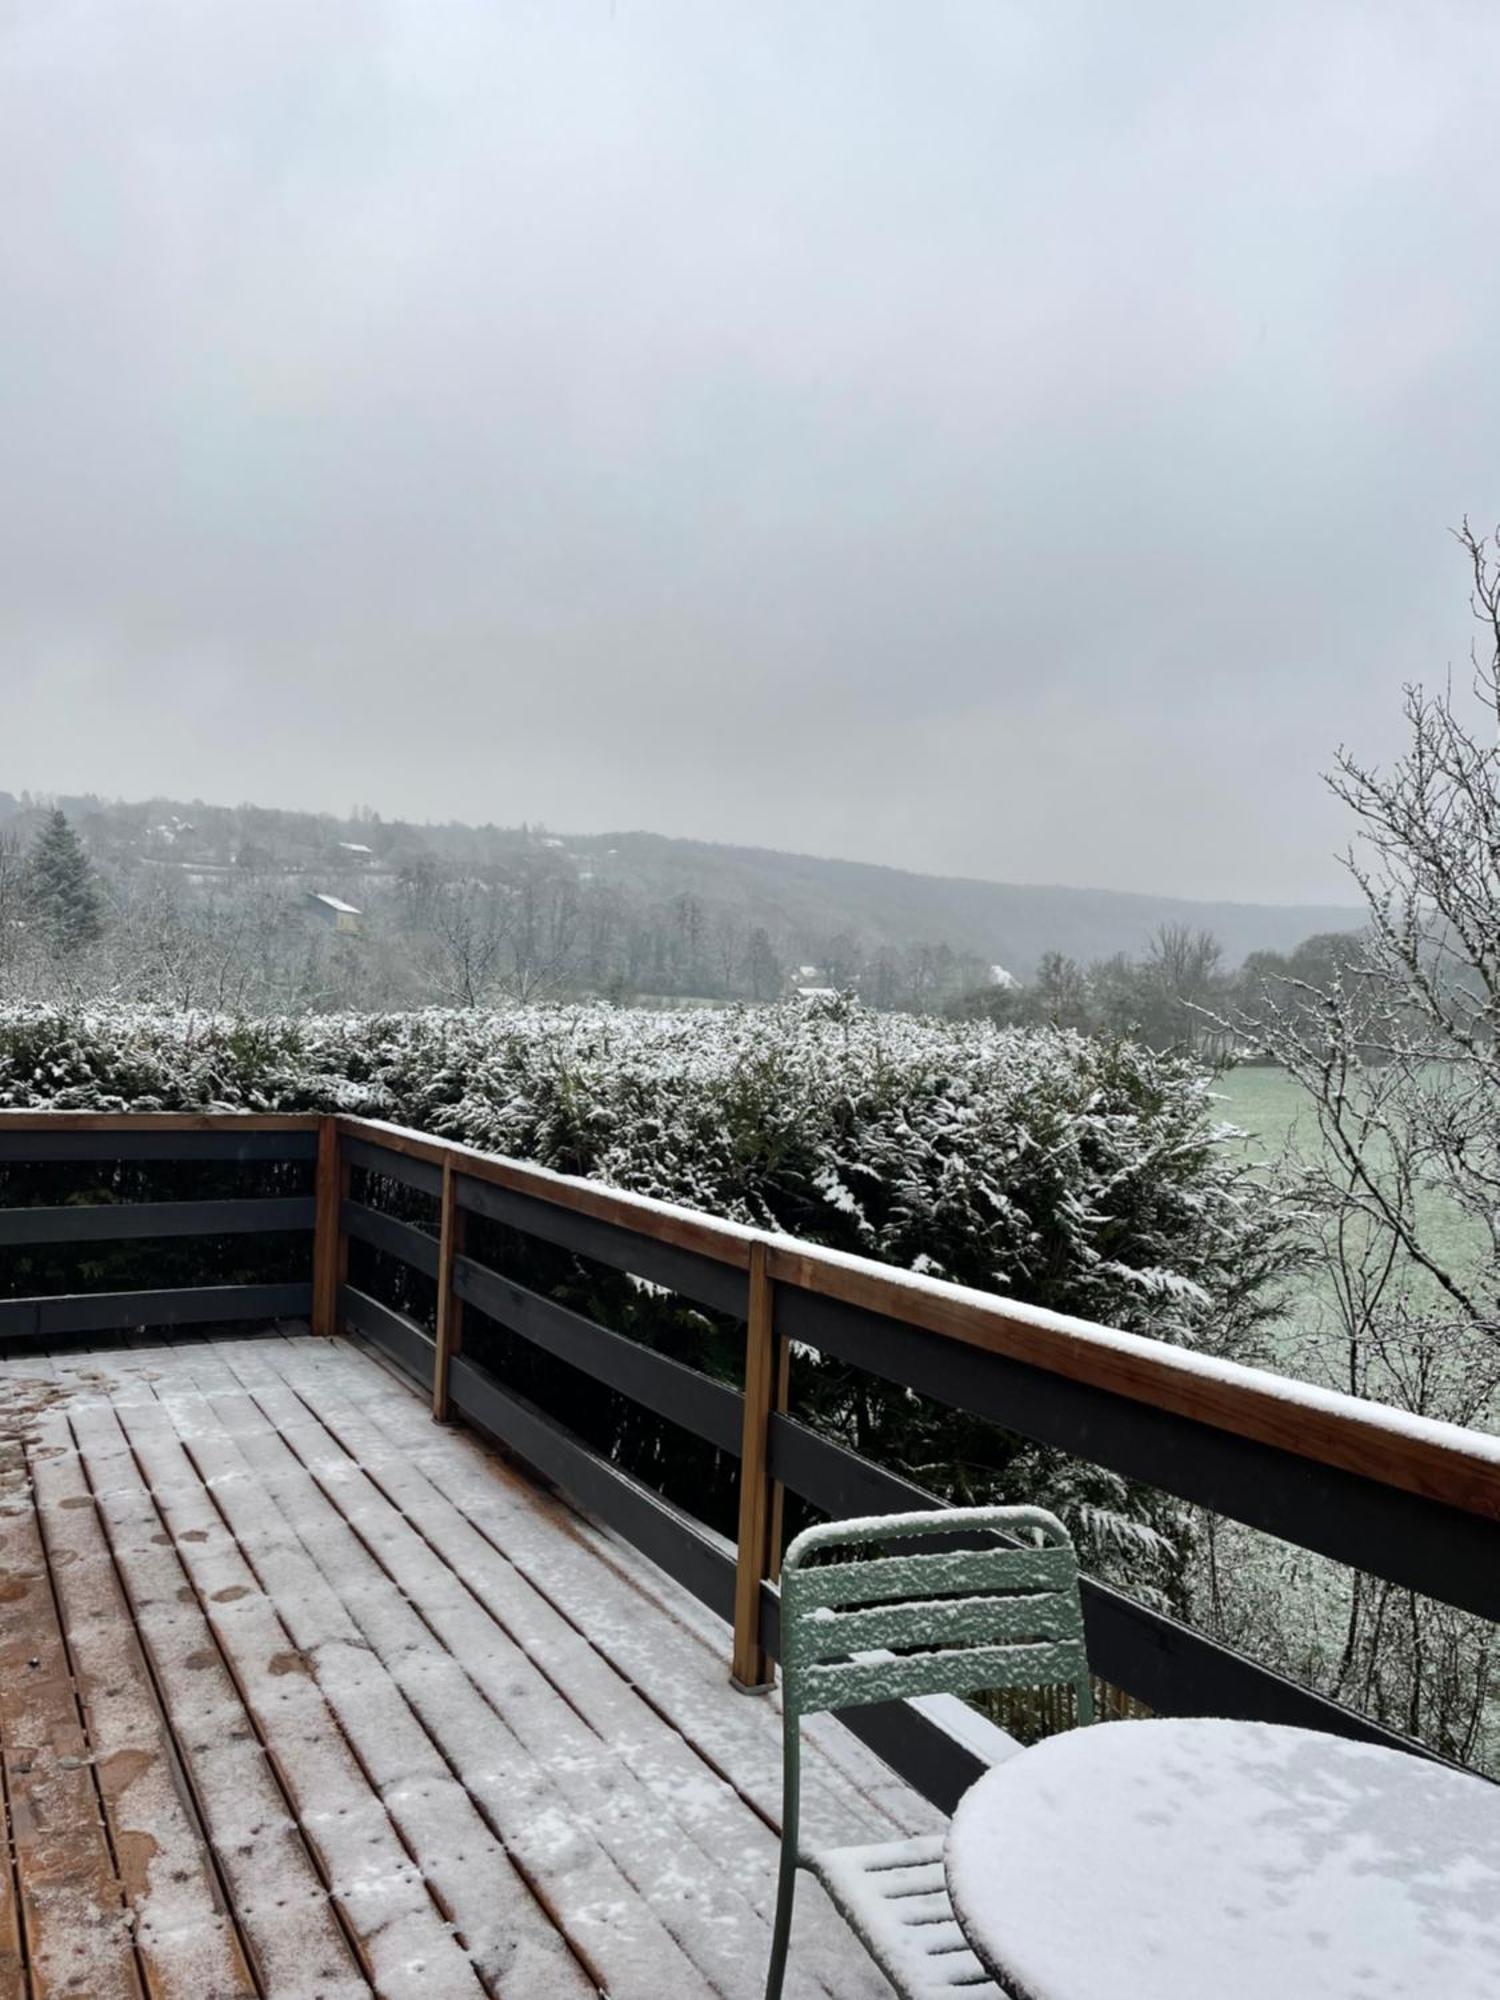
x=330, y=1249
x=449, y=1307
x=758, y=1553
x=776, y=1529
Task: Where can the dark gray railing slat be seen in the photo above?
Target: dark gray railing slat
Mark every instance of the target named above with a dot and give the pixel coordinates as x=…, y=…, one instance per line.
x=936, y=1765
x=27, y=1146
x=119, y=1222
x=919, y=1749
x=1158, y=1660
x=398, y=1239
x=686, y=1550
x=401, y=1337
x=109, y=1312
x=702, y=1279
x=418, y=1174
x=1384, y=1530
x=683, y=1395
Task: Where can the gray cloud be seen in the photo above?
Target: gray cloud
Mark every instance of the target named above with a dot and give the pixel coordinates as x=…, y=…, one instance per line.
x=1010, y=440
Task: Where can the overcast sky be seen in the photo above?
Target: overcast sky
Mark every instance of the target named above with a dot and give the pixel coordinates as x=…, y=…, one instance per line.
x=1008, y=440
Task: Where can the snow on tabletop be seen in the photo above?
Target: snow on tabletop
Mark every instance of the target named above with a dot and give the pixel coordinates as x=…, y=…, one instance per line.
x=1179, y=1860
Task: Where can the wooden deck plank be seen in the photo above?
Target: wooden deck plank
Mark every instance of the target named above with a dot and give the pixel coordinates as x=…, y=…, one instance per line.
x=14, y=1984
x=401, y=1938
x=334, y=1581
x=485, y=1611
x=279, y=1895
x=185, y=1935
x=406, y=1939
x=508, y=1932
x=72, y=1902
x=414, y=1695
x=848, y=1795
x=705, y=1905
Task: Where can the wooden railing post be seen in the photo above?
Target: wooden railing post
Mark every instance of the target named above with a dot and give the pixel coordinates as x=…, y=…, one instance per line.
x=449, y=1306
x=759, y=1546
x=330, y=1249
x=779, y=1390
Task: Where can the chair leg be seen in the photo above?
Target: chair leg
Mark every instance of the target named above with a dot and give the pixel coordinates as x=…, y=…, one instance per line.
x=781, y=1932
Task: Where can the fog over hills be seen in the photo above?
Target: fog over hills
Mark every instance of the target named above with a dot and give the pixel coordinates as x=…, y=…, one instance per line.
x=1010, y=923
x=805, y=900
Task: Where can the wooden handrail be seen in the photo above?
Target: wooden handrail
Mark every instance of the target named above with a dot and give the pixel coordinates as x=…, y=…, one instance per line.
x=159, y=1121
x=1440, y=1462
x=1418, y=1455
x=1459, y=1468
x=1344, y=1474
x=664, y=1222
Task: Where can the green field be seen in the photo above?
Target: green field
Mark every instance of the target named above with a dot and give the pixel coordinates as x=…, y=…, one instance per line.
x=1269, y=1105
x=1274, y=1113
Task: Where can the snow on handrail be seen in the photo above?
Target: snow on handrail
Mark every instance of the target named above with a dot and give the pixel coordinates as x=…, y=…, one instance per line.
x=1443, y=1462
x=1456, y=1467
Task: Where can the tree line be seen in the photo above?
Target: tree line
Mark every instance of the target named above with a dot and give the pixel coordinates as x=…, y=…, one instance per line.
x=1178, y=994
x=466, y=923
x=526, y=926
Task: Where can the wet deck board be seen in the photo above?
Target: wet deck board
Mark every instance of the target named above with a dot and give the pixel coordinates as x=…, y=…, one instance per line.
x=72, y=1902
x=330, y=1701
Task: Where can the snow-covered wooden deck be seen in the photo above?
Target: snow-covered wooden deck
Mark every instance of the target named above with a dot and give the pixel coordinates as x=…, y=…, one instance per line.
x=302, y=1695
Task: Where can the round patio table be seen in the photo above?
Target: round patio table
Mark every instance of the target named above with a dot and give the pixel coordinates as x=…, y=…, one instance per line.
x=1228, y=1861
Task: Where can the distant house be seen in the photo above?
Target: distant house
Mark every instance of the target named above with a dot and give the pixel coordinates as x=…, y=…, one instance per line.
x=336, y=913
x=358, y=849
x=171, y=829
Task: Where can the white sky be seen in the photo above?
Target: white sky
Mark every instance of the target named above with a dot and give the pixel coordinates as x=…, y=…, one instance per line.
x=1011, y=440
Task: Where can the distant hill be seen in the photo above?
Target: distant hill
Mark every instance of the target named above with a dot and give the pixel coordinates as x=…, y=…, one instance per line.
x=802, y=900
x=1005, y=923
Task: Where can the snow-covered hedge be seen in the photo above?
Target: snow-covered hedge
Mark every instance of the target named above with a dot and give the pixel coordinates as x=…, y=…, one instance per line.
x=1073, y=1173
x=1076, y=1174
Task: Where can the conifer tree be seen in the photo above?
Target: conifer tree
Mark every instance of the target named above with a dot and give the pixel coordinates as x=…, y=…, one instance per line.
x=62, y=886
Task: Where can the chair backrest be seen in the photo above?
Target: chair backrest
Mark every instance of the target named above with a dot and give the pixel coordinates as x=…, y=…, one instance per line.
x=864, y=1627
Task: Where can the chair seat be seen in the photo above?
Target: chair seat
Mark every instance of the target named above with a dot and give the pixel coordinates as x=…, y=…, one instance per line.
x=894, y=1895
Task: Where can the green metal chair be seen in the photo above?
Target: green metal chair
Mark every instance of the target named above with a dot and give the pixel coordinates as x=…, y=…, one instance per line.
x=862, y=1627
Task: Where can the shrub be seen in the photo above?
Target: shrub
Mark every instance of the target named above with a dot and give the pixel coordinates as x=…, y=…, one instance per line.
x=1083, y=1175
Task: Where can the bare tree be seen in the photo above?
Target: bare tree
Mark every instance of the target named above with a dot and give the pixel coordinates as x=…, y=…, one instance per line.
x=465, y=927
x=842, y=960
x=1059, y=995
x=15, y=931
x=1399, y=1052
x=1395, y=1045
x=727, y=941
x=541, y=931
x=763, y=970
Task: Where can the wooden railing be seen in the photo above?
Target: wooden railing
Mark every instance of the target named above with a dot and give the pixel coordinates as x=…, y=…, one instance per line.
x=1397, y=1497
x=145, y=1139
